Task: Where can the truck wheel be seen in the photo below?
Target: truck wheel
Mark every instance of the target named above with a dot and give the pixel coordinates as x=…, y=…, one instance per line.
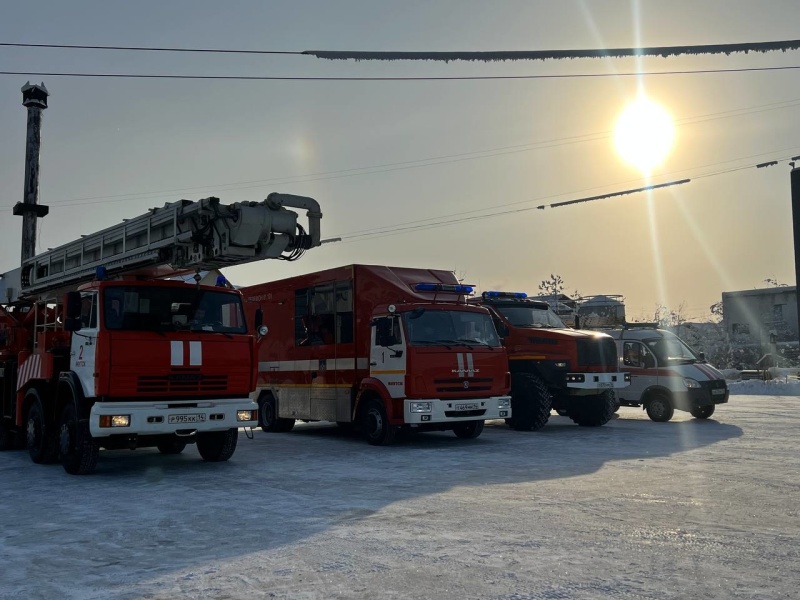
x=173, y=446
x=531, y=402
x=593, y=411
x=268, y=418
x=703, y=412
x=375, y=424
x=79, y=451
x=8, y=439
x=469, y=430
x=217, y=446
x=660, y=409
x=41, y=440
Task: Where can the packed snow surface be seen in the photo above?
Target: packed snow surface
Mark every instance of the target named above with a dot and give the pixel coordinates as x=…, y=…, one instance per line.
x=634, y=509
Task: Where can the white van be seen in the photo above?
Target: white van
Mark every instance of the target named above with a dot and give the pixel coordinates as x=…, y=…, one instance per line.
x=666, y=374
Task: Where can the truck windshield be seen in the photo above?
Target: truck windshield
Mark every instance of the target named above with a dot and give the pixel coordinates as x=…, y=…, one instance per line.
x=151, y=308
x=437, y=327
x=528, y=316
x=671, y=350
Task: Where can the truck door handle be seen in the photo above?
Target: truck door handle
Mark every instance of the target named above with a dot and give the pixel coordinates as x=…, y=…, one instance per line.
x=373, y=364
x=313, y=374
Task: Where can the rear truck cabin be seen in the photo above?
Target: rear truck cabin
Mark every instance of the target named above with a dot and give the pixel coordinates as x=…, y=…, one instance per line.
x=382, y=349
x=666, y=374
x=553, y=367
x=127, y=364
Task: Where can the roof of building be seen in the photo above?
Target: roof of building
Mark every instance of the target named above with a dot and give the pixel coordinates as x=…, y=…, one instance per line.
x=770, y=291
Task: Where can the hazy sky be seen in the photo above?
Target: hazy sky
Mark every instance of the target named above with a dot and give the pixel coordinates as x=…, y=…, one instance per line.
x=113, y=148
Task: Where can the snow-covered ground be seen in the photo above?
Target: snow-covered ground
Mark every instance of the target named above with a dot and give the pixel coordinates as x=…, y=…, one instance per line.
x=635, y=509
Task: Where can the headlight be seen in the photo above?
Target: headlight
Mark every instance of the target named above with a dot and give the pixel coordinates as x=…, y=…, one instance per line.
x=690, y=383
x=575, y=378
x=420, y=407
x=246, y=415
x=115, y=420
x=504, y=403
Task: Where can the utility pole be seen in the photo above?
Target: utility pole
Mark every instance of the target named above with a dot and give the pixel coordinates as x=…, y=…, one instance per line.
x=795, y=182
x=34, y=98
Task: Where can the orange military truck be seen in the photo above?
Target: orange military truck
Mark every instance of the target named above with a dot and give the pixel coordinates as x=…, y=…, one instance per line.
x=553, y=367
x=97, y=350
x=387, y=349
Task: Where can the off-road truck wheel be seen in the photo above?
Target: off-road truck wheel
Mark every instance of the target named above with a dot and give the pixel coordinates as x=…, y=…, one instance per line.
x=531, y=402
x=593, y=411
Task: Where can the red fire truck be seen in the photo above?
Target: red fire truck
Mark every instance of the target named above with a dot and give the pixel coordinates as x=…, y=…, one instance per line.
x=385, y=348
x=97, y=351
x=553, y=367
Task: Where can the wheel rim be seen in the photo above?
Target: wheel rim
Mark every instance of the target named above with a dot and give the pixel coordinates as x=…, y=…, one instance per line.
x=267, y=414
x=659, y=409
x=33, y=433
x=374, y=423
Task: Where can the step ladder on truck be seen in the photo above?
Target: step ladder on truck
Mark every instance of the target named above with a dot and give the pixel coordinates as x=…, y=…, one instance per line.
x=99, y=349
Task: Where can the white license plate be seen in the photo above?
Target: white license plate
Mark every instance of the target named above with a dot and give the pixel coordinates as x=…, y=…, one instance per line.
x=178, y=419
x=467, y=406
x=718, y=392
x=605, y=384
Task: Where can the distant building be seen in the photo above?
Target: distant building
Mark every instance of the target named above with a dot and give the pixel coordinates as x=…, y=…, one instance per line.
x=761, y=316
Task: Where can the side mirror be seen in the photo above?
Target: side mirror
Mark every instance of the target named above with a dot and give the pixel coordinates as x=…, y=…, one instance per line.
x=701, y=356
x=259, y=319
x=72, y=320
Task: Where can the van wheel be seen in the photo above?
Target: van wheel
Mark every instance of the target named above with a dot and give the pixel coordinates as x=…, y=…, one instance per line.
x=79, y=451
x=660, y=409
x=268, y=418
x=217, y=446
x=703, y=412
x=375, y=424
x=531, y=402
x=594, y=411
x=41, y=440
x=469, y=430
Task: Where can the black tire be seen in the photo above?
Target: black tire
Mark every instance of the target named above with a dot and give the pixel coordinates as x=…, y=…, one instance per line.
x=42, y=442
x=8, y=438
x=660, y=409
x=593, y=411
x=79, y=450
x=468, y=430
x=217, y=446
x=531, y=402
x=172, y=446
x=375, y=424
x=703, y=412
x=267, y=416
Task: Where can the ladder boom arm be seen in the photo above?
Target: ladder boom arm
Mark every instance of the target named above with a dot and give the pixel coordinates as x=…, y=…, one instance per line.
x=178, y=237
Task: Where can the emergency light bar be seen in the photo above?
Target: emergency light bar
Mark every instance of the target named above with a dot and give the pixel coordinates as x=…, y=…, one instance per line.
x=505, y=295
x=443, y=287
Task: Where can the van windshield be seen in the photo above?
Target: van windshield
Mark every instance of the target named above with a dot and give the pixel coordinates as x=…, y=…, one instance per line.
x=155, y=308
x=527, y=316
x=435, y=327
x=671, y=350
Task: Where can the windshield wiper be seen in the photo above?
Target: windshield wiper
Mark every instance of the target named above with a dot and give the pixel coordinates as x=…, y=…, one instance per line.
x=474, y=342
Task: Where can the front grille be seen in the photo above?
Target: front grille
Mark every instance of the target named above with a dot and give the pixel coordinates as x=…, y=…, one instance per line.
x=474, y=384
x=181, y=383
x=464, y=413
x=597, y=352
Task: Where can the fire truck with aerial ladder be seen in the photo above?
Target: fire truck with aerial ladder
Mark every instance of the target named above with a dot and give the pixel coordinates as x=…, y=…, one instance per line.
x=554, y=367
x=385, y=349
x=98, y=349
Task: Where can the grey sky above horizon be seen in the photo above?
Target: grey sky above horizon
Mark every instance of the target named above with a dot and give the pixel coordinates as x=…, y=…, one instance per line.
x=106, y=138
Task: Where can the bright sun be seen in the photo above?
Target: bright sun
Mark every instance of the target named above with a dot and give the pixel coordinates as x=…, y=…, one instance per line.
x=643, y=134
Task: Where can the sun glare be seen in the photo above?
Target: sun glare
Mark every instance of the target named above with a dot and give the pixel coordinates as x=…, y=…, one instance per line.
x=643, y=134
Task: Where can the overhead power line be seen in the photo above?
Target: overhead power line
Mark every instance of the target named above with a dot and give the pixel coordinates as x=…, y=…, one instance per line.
x=515, y=55
x=488, y=56
x=411, y=78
